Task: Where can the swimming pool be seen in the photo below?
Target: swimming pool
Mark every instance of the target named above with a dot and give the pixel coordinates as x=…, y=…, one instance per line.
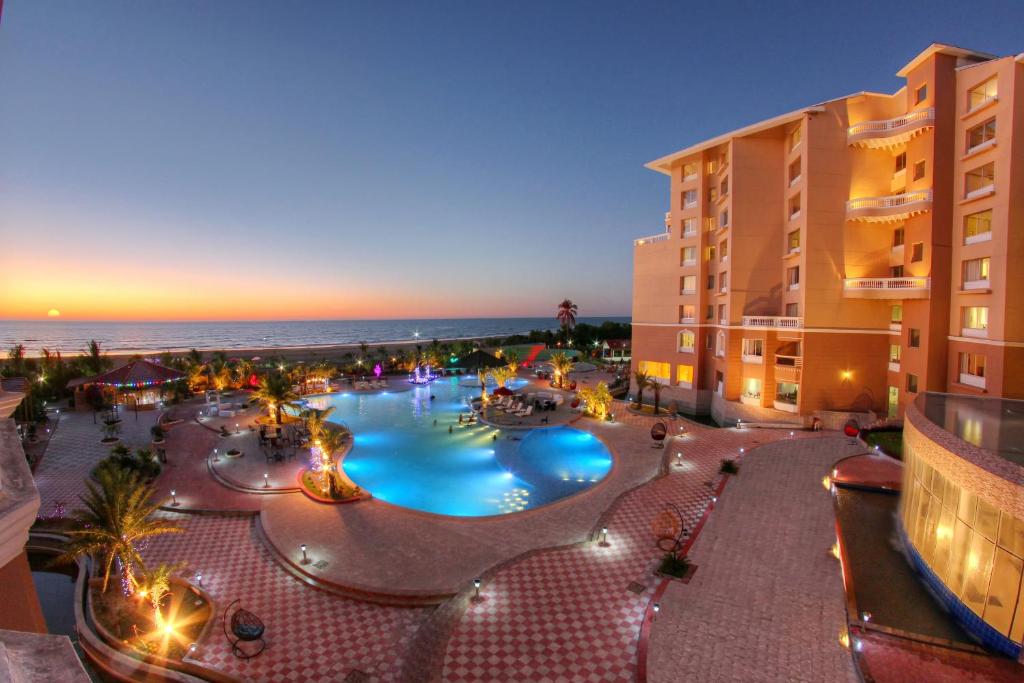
x=515, y=384
x=402, y=457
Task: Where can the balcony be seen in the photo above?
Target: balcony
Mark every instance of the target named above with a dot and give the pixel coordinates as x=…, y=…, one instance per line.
x=972, y=380
x=890, y=132
x=894, y=366
x=888, y=209
x=661, y=237
x=773, y=322
x=668, y=221
x=787, y=368
x=752, y=359
x=886, y=287
x=687, y=319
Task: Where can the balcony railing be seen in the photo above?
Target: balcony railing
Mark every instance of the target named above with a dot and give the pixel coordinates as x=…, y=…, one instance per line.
x=886, y=287
x=890, y=208
x=773, y=322
x=890, y=132
x=661, y=237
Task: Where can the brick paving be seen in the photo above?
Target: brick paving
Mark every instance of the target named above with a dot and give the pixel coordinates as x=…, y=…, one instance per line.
x=767, y=601
x=75, y=449
x=889, y=659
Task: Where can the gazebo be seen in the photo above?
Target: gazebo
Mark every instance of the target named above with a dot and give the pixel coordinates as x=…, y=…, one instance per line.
x=479, y=360
x=139, y=384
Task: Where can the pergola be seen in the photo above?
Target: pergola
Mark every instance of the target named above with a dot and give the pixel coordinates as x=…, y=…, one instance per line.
x=139, y=384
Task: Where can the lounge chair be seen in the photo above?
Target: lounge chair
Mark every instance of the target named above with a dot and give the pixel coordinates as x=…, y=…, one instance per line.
x=525, y=413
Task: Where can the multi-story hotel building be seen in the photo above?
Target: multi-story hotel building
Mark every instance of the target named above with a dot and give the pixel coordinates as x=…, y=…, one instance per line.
x=845, y=256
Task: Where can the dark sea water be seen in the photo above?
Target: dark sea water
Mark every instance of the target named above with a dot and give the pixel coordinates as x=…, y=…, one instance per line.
x=71, y=337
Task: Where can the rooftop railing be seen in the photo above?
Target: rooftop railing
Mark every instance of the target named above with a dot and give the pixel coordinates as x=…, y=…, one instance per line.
x=661, y=237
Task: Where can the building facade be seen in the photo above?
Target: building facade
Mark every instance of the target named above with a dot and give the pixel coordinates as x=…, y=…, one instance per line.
x=846, y=256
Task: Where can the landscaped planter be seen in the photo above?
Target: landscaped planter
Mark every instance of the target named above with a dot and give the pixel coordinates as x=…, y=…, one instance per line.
x=234, y=453
x=313, y=495
x=108, y=440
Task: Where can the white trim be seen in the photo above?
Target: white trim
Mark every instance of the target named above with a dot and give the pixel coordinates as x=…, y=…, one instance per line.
x=988, y=342
x=972, y=380
x=973, y=332
x=980, y=237
x=822, y=330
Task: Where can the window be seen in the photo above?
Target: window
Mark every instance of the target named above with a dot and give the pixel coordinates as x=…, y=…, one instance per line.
x=972, y=364
x=710, y=224
x=684, y=375
x=794, y=138
x=723, y=218
x=794, y=207
x=687, y=312
x=689, y=170
x=709, y=339
x=752, y=387
x=723, y=250
x=793, y=241
x=689, y=284
x=792, y=310
x=723, y=282
x=896, y=271
x=794, y=172
x=921, y=94
x=978, y=227
x=976, y=273
x=895, y=353
x=690, y=198
x=753, y=347
x=720, y=344
x=919, y=169
x=689, y=227
x=786, y=392
x=711, y=281
x=980, y=134
x=917, y=255
x=724, y=190
x=981, y=94
x=710, y=253
x=901, y=162
x=721, y=314
x=793, y=277
x=688, y=256
x=896, y=314
x=712, y=194
x=914, y=338
x=709, y=312
x=980, y=179
x=911, y=384
x=897, y=237
x=659, y=372
x=686, y=340
x=975, y=319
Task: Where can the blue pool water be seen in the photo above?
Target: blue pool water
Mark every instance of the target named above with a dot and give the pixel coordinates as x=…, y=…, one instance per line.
x=401, y=457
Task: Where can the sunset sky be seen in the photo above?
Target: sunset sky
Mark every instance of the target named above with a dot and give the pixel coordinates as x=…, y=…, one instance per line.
x=241, y=160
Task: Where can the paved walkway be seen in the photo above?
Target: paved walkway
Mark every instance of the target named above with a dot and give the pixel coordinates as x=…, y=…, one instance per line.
x=73, y=452
x=767, y=602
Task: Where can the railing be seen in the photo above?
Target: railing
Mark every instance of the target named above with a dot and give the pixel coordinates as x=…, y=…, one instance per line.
x=773, y=322
x=891, y=127
x=885, y=283
x=652, y=239
x=686, y=319
x=894, y=201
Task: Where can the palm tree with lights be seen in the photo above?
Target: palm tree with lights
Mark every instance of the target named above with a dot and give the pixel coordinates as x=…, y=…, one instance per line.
x=275, y=392
x=562, y=364
x=567, y=316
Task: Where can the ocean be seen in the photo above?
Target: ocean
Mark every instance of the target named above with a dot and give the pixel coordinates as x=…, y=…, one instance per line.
x=153, y=337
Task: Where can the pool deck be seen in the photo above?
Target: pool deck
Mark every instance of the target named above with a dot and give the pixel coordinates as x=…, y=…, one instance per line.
x=416, y=556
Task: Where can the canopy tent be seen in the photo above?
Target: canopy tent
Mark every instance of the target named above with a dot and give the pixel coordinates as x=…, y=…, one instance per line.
x=138, y=382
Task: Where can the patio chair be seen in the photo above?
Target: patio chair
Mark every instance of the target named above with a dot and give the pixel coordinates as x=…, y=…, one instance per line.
x=246, y=627
x=526, y=413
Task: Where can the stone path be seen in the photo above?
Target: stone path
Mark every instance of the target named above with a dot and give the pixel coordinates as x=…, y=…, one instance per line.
x=75, y=449
x=767, y=601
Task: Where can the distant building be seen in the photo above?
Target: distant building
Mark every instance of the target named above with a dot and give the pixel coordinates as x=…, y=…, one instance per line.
x=845, y=256
x=616, y=350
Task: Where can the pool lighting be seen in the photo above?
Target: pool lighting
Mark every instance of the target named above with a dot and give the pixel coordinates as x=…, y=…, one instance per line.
x=174, y=498
x=742, y=450
x=305, y=557
x=237, y=430
x=834, y=550
x=192, y=647
x=826, y=481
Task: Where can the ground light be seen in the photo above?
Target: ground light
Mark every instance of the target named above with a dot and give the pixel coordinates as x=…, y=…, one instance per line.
x=216, y=458
x=476, y=589
x=657, y=607
x=266, y=480
x=174, y=498
x=305, y=557
x=604, y=536
x=199, y=580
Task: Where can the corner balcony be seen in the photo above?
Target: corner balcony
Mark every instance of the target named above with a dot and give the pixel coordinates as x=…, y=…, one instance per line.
x=661, y=237
x=888, y=209
x=773, y=322
x=890, y=132
x=886, y=287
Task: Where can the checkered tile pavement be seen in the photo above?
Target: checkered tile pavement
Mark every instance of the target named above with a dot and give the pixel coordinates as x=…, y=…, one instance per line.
x=311, y=635
x=74, y=450
x=566, y=614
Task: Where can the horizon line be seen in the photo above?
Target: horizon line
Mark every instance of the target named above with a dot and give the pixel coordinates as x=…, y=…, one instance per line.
x=296, y=320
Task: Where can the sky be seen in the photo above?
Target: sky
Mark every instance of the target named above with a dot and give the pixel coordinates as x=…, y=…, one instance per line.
x=304, y=160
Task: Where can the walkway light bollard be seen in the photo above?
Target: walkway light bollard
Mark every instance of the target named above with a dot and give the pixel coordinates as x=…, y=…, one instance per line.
x=174, y=498
x=679, y=459
x=192, y=649
x=266, y=480
x=656, y=608
x=216, y=458
x=791, y=435
x=199, y=580
x=476, y=590
x=237, y=430
x=305, y=557
x=604, y=537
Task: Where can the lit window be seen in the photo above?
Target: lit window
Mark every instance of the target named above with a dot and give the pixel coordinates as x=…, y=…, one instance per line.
x=723, y=249
x=980, y=94
x=980, y=179
x=689, y=284
x=921, y=94
x=976, y=271
x=794, y=241
x=659, y=372
x=712, y=194
x=978, y=226
x=919, y=170
x=980, y=134
x=684, y=375
x=895, y=353
x=972, y=364
x=975, y=317
x=689, y=255
x=896, y=314
x=711, y=252
x=689, y=312
x=686, y=340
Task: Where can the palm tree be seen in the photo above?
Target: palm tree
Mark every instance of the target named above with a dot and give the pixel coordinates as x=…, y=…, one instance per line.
x=220, y=376
x=331, y=441
x=562, y=365
x=275, y=392
x=194, y=357
x=598, y=400
x=643, y=380
x=93, y=358
x=198, y=374
x=502, y=374
x=567, y=316
x=16, y=360
x=115, y=521
x=155, y=584
x=656, y=387
x=315, y=421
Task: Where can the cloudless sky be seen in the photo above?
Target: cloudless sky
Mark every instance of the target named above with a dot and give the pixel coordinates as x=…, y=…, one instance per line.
x=188, y=160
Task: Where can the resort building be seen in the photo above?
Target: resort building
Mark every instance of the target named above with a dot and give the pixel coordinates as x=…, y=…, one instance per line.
x=616, y=350
x=846, y=256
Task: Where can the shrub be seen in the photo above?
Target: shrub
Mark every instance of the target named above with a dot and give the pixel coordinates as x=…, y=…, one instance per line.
x=674, y=565
x=729, y=467
x=157, y=432
x=142, y=462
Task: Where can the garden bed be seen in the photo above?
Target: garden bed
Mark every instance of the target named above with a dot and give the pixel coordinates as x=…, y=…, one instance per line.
x=889, y=441
x=349, y=492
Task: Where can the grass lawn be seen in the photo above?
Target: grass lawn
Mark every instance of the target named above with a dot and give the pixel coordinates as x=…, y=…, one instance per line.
x=890, y=442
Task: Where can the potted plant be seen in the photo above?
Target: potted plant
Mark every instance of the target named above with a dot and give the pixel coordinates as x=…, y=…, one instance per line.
x=111, y=430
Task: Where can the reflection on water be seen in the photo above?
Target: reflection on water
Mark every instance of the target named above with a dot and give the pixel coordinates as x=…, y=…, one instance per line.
x=56, y=589
x=994, y=424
